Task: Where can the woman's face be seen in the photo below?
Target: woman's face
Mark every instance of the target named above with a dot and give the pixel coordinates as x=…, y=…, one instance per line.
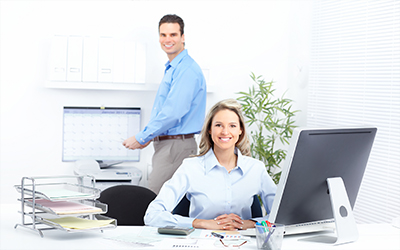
x=225, y=130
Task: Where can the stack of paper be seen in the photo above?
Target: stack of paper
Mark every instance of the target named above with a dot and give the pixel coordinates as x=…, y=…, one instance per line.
x=79, y=223
x=67, y=207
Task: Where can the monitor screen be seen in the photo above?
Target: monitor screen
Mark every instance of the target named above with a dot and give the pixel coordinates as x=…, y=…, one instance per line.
x=315, y=155
x=97, y=133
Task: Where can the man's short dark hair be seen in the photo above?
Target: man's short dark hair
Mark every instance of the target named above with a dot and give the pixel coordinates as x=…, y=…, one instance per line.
x=172, y=18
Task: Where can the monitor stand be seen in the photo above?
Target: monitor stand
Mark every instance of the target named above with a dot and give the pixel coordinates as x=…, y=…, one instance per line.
x=346, y=228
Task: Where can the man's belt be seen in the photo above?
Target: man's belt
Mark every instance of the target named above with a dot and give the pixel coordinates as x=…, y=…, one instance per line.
x=170, y=137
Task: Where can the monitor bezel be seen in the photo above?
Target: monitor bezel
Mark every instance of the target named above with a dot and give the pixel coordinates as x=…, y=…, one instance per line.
x=316, y=224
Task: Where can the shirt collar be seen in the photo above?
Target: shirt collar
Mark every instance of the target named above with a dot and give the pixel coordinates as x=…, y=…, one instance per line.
x=211, y=161
x=177, y=59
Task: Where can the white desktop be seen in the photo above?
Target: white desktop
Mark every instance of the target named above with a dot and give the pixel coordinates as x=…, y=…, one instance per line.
x=371, y=237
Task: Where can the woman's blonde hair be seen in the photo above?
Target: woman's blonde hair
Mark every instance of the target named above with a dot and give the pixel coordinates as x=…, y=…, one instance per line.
x=206, y=142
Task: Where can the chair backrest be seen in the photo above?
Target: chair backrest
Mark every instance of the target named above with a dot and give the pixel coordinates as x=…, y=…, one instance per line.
x=183, y=207
x=127, y=203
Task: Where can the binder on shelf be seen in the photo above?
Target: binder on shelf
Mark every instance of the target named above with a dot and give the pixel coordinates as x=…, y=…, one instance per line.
x=140, y=63
x=124, y=61
x=58, y=58
x=97, y=59
x=90, y=58
x=118, y=60
x=74, y=60
x=105, y=64
x=129, y=62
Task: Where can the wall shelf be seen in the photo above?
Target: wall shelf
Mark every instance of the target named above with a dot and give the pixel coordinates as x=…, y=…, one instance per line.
x=102, y=86
x=109, y=86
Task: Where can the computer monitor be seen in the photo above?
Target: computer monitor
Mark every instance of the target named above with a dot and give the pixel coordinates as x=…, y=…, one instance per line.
x=303, y=200
x=97, y=133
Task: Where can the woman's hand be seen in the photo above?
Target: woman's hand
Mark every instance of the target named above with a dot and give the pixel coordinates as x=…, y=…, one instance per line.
x=224, y=222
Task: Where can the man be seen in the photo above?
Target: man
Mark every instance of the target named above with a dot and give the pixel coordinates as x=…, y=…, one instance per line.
x=178, y=109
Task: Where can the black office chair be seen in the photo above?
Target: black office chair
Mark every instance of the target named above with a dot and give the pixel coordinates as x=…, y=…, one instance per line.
x=127, y=203
x=183, y=207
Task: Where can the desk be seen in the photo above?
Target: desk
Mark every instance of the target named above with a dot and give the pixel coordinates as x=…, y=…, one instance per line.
x=372, y=236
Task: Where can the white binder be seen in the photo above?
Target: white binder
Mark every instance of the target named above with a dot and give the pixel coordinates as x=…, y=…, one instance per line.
x=105, y=67
x=140, y=76
x=129, y=61
x=90, y=56
x=74, y=60
x=58, y=58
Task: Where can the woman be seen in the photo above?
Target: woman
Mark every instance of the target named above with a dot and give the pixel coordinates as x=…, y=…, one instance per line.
x=220, y=182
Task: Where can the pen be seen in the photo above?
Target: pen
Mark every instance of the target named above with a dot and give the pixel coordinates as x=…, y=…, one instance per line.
x=265, y=226
x=267, y=238
x=217, y=235
x=260, y=230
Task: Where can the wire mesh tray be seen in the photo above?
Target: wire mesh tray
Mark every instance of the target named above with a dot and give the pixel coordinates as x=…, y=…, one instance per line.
x=87, y=225
x=59, y=191
x=67, y=208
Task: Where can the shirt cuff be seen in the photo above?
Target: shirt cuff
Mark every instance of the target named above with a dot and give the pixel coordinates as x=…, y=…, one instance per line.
x=184, y=221
x=142, y=138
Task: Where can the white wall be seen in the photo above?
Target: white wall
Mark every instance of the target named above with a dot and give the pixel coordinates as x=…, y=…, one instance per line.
x=230, y=38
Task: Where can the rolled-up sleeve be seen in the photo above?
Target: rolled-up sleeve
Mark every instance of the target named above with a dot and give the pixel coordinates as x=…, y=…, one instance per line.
x=177, y=104
x=159, y=212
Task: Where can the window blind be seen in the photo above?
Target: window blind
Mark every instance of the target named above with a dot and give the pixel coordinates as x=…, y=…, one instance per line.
x=355, y=80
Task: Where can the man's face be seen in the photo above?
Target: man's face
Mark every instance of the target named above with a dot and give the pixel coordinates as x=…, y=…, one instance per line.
x=171, y=39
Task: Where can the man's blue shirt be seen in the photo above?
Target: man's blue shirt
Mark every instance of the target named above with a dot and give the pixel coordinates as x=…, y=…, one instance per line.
x=212, y=191
x=180, y=103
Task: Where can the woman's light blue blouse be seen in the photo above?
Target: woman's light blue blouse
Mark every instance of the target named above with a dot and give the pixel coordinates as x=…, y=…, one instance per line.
x=212, y=191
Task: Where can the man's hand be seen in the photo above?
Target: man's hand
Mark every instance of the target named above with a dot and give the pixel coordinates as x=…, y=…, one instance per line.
x=132, y=143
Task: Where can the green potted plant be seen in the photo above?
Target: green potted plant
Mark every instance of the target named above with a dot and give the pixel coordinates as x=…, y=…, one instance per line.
x=270, y=120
